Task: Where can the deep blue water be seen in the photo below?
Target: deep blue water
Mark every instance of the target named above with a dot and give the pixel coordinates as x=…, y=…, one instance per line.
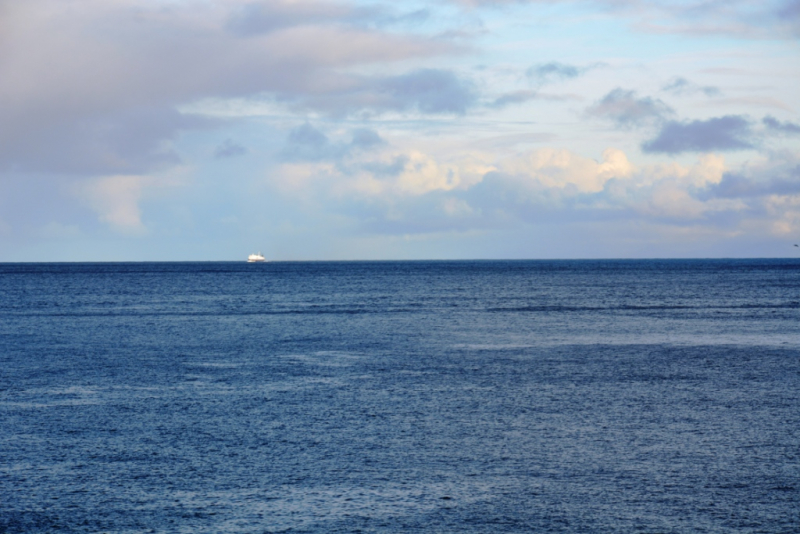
x=525, y=396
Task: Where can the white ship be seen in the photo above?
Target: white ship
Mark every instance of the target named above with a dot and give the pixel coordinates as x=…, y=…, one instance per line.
x=253, y=258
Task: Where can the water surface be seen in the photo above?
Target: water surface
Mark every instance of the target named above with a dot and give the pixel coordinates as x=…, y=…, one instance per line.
x=541, y=396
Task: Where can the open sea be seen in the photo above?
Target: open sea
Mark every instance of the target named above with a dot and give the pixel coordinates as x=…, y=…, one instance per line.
x=389, y=397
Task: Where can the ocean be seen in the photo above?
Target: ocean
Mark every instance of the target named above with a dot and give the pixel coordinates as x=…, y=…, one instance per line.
x=648, y=396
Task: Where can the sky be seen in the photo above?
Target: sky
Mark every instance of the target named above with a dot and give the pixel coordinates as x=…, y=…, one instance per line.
x=206, y=130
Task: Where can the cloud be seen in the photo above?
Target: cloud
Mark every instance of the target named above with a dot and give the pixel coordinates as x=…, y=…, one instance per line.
x=420, y=91
x=788, y=16
x=735, y=18
x=261, y=17
x=553, y=71
x=626, y=109
x=525, y=95
x=516, y=97
x=386, y=169
x=115, y=199
x=133, y=140
x=366, y=139
x=468, y=188
x=562, y=169
x=305, y=143
x=778, y=175
x=492, y=3
x=78, y=97
x=790, y=9
x=415, y=17
x=422, y=174
x=731, y=132
x=178, y=54
x=267, y=16
x=774, y=125
x=736, y=185
x=229, y=149
x=373, y=171
x=428, y=91
x=390, y=191
x=751, y=101
x=558, y=185
x=682, y=86
x=769, y=191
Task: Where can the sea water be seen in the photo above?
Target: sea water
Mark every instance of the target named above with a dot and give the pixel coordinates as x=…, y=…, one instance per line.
x=486, y=396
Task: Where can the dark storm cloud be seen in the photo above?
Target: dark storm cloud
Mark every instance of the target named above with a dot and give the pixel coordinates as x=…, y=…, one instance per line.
x=731, y=132
x=774, y=125
x=627, y=109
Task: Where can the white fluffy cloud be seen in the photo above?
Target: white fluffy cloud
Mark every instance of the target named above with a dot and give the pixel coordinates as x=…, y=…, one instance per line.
x=473, y=191
x=560, y=168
